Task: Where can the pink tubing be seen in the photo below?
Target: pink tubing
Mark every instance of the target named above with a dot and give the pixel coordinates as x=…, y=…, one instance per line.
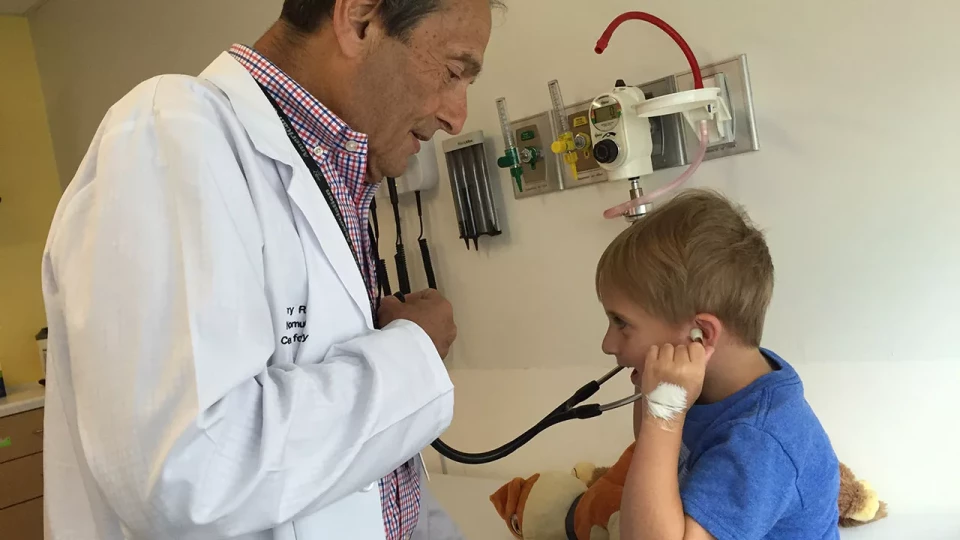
x=620, y=210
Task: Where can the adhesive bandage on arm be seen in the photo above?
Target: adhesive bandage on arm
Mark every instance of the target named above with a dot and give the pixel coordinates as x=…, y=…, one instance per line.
x=667, y=401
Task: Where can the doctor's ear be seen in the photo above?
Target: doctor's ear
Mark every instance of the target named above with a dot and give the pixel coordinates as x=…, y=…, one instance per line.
x=710, y=327
x=356, y=24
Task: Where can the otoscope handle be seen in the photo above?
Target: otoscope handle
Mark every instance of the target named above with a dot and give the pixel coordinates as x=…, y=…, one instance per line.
x=427, y=264
x=392, y=189
x=403, y=278
x=383, y=277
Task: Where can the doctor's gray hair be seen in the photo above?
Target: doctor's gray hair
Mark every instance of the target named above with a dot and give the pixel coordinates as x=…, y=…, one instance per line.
x=400, y=17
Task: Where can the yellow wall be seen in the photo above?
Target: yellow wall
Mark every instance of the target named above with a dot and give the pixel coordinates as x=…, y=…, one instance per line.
x=29, y=189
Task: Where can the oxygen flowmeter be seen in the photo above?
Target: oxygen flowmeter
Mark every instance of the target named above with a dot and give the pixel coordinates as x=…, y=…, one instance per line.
x=566, y=144
x=513, y=157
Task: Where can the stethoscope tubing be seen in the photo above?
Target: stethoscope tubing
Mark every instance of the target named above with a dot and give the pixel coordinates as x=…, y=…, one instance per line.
x=568, y=410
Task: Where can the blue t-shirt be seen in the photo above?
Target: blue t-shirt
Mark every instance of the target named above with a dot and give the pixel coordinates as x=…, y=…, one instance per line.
x=758, y=465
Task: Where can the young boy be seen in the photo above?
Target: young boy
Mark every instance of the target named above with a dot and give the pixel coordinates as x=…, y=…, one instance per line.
x=754, y=461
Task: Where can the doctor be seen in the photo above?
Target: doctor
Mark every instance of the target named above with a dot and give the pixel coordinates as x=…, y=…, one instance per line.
x=221, y=366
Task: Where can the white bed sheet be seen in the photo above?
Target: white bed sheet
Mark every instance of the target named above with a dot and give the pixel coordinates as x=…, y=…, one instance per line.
x=467, y=500
x=908, y=527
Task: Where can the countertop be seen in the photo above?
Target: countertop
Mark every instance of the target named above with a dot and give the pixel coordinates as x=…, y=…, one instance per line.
x=22, y=399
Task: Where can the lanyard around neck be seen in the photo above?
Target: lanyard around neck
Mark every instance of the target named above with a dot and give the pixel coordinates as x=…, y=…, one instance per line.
x=318, y=177
x=324, y=187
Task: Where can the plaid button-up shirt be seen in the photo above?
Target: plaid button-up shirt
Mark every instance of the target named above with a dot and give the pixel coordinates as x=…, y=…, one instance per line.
x=341, y=154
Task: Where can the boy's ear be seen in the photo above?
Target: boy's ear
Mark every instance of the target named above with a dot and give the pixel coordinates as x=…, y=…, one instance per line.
x=711, y=327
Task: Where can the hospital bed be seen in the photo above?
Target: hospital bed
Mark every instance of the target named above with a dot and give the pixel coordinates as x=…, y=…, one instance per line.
x=467, y=500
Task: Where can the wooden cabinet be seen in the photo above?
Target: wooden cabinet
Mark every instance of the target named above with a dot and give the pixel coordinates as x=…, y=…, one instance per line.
x=24, y=433
x=23, y=521
x=21, y=475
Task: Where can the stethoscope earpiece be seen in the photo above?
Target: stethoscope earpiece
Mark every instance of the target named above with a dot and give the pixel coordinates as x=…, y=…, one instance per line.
x=697, y=335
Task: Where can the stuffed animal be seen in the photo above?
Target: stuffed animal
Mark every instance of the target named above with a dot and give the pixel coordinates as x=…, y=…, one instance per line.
x=537, y=508
x=858, y=502
x=585, y=505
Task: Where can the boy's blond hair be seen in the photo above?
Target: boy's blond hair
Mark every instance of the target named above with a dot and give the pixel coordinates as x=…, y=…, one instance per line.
x=698, y=253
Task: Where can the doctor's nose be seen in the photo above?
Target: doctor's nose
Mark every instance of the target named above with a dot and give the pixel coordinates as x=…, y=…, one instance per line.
x=453, y=111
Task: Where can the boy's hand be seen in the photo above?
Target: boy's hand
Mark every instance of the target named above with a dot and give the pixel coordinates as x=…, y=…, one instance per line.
x=683, y=365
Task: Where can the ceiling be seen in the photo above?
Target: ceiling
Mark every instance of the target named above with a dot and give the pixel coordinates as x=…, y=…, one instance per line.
x=17, y=7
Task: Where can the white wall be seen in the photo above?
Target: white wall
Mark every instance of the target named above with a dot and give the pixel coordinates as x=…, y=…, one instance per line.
x=855, y=184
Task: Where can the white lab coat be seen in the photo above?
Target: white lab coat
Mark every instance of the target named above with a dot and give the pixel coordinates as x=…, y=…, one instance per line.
x=214, y=371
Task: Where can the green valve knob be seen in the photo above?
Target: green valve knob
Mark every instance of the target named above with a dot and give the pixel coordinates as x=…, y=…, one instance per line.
x=511, y=160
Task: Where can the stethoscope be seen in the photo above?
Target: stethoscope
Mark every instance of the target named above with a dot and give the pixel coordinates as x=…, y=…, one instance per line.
x=568, y=410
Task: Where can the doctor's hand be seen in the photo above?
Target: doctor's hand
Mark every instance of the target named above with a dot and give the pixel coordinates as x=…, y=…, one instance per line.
x=427, y=309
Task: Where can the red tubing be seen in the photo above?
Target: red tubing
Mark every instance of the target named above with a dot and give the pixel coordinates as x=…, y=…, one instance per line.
x=641, y=16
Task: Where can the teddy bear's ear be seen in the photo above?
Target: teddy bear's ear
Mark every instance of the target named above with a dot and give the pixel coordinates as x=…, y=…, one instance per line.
x=509, y=501
x=507, y=498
